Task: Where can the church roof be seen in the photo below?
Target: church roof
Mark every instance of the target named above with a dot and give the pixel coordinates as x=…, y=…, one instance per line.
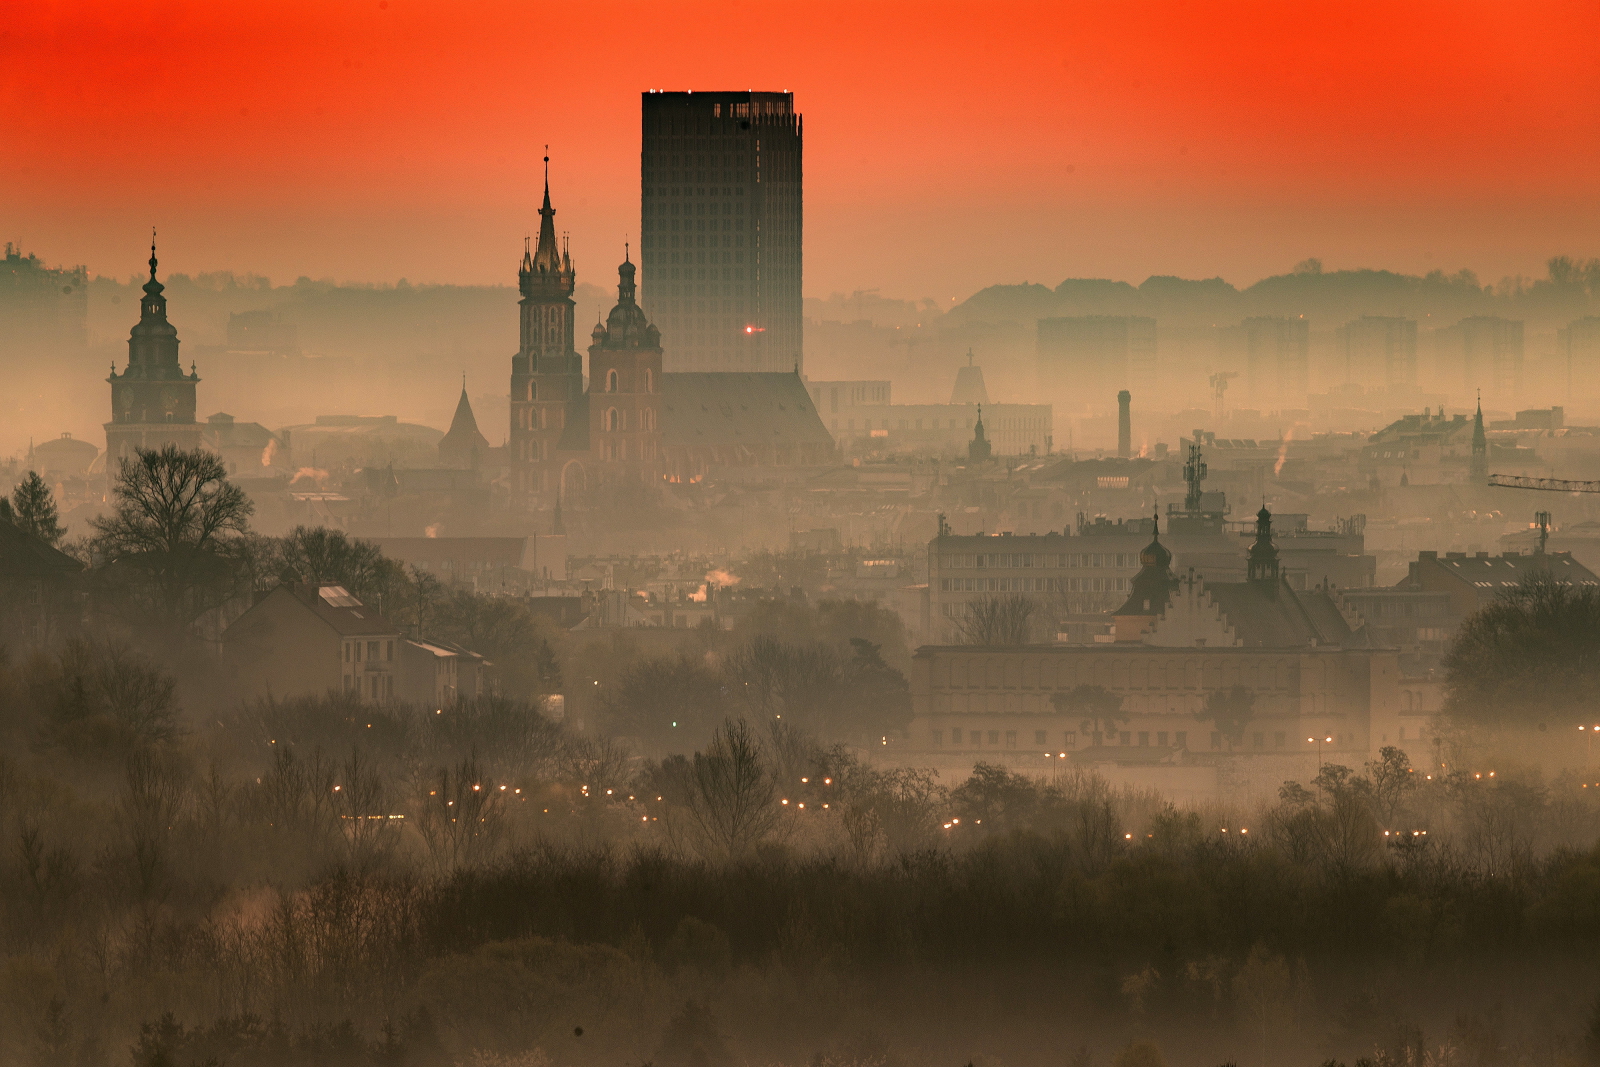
x=969, y=386
x=464, y=436
x=1273, y=615
x=733, y=408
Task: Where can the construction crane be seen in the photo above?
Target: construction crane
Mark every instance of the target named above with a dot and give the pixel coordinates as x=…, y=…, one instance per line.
x=1554, y=485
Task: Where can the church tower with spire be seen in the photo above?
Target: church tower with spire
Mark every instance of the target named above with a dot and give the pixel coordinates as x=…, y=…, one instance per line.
x=625, y=390
x=1478, y=472
x=546, y=372
x=153, y=400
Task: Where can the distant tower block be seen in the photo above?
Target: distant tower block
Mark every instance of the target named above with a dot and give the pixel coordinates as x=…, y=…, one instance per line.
x=1124, y=425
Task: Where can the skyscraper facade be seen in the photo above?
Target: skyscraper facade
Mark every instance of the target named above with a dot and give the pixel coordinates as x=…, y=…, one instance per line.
x=721, y=228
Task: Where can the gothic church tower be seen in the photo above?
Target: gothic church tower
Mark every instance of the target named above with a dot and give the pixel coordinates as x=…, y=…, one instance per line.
x=546, y=372
x=152, y=401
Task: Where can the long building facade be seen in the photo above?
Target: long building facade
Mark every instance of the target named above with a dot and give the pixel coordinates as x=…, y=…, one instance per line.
x=722, y=228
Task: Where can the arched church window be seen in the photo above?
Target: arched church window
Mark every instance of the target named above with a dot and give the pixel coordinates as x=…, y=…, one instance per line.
x=649, y=381
x=533, y=390
x=611, y=381
x=613, y=417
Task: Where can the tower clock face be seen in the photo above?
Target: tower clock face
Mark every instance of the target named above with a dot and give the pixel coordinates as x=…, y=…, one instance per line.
x=169, y=401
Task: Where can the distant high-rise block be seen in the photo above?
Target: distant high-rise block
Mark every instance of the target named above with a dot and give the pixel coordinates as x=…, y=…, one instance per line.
x=1275, y=356
x=1096, y=355
x=721, y=228
x=1379, y=351
x=1579, y=345
x=1481, y=352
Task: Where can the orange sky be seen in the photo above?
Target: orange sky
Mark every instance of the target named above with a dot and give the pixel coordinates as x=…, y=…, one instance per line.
x=380, y=139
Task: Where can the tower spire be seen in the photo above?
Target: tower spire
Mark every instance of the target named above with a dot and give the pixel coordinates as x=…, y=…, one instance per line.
x=547, y=257
x=152, y=253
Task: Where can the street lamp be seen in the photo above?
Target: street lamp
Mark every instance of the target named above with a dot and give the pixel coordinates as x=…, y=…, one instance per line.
x=1591, y=730
x=1320, y=742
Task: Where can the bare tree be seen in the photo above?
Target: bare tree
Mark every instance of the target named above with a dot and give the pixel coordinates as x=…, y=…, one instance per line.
x=361, y=801
x=176, y=534
x=460, y=816
x=997, y=620
x=732, y=798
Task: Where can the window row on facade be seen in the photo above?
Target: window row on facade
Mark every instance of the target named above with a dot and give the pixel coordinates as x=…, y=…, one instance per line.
x=1131, y=671
x=1023, y=560
x=1026, y=585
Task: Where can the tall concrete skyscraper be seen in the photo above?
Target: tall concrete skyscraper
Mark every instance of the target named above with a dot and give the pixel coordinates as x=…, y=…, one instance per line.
x=720, y=229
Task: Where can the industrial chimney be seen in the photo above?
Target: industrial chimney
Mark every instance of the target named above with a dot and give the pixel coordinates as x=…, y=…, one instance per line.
x=1124, y=425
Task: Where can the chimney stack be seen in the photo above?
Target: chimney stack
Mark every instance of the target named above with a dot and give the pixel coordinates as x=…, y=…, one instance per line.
x=1124, y=425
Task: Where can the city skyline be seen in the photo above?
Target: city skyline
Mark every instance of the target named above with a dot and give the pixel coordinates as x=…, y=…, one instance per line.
x=1409, y=141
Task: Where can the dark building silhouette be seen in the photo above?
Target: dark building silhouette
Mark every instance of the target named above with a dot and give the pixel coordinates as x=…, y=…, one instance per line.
x=1478, y=472
x=721, y=228
x=546, y=372
x=1151, y=589
x=630, y=424
x=152, y=401
x=978, y=450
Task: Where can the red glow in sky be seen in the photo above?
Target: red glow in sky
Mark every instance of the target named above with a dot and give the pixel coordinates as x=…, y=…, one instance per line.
x=948, y=146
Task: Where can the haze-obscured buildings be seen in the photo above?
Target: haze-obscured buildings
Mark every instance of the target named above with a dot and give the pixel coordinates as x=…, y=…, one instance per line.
x=1482, y=352
x=1379, y=351
x=1095, y=355
x=861, y=418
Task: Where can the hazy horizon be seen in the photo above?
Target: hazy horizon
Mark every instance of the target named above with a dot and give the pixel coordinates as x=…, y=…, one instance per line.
x=382, y=141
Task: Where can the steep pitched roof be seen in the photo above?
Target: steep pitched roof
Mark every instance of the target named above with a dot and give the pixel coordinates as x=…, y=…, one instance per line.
x=332, y=604
x=23, y=555
x=1273, y=615
x=729, y=408
x=464, y=443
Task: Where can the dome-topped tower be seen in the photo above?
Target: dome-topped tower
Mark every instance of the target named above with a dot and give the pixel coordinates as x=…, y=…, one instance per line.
x=153, y=400
x=627, y=326
x=625, y=389
x=1263, y=562
x=1150, y=590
